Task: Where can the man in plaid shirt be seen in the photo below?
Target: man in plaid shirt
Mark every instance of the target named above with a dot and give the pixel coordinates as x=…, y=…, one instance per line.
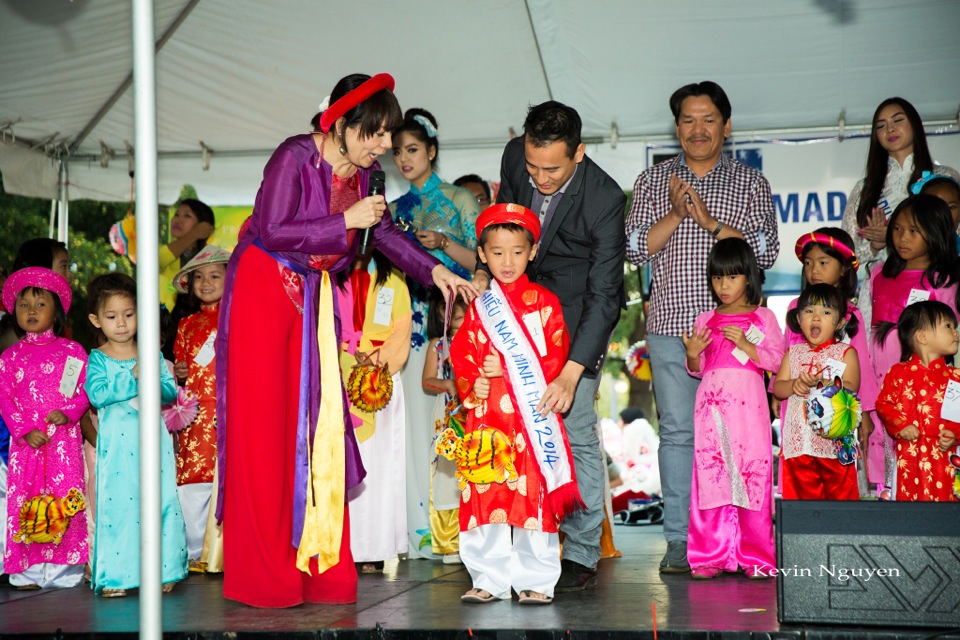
x=680, y=208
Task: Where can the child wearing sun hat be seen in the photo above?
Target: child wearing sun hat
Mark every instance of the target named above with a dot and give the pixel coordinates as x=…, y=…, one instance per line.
x=202, y=279
x=42, y=399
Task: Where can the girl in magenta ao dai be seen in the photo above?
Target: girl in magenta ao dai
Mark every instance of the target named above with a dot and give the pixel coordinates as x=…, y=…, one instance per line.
x=730, y=347
x=42, y=400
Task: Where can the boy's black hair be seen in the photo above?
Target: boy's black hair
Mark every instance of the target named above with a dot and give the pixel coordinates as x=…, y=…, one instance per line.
x=472, y=177
x=918, y=317
x=734, y=257
x=829, y=296
x=505, y=226
x=848, y=281
x=38, y=252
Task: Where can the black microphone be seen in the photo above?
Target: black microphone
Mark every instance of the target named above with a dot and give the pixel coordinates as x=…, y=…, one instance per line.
x=377, y=179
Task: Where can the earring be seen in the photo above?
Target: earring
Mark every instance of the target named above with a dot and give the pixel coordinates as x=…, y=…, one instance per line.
x=343, y=150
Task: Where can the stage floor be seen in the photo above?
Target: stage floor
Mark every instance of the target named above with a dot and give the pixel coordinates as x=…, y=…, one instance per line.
x=420, y=598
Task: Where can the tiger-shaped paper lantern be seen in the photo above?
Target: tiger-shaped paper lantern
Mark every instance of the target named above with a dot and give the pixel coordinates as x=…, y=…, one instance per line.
x=45, y=518
x=483, y=456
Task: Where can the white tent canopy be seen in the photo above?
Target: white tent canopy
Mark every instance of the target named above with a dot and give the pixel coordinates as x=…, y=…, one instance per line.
x=239, y=76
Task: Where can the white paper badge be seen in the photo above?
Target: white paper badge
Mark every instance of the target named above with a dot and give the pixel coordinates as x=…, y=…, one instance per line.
x=382, y=313
x=834, y=369
x=71, y=376
x=918, y=295
x=754, y=336
x=532, y=322
x=208, y=351
x=951, y=402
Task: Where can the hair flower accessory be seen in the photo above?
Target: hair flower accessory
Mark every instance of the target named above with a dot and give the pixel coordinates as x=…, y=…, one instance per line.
x=926, y=177
x=325, y=104
x=426, y=124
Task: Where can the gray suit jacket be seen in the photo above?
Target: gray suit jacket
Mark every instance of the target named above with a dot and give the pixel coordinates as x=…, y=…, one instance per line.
x=581, y=252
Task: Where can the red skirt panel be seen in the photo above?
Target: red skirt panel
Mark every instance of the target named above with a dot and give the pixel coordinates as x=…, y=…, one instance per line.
x=263, y=387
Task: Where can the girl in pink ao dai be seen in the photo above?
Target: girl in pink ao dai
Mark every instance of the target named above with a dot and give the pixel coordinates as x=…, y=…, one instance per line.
x=42, y=400
x=730, y=348
x=921, y=265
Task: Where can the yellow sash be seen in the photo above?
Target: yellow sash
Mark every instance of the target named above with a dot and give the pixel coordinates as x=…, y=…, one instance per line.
x=323, y=521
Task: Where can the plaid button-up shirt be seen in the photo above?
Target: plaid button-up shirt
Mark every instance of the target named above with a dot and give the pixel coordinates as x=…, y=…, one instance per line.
x=734, y=194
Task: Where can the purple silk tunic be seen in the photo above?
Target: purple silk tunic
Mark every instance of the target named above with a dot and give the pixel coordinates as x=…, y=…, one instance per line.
x=291, y=220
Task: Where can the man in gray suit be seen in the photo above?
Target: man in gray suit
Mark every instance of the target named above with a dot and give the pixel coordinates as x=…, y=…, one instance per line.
x=580, y=259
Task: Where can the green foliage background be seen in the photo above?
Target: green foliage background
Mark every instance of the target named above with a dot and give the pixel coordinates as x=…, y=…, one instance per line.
x=90, y=253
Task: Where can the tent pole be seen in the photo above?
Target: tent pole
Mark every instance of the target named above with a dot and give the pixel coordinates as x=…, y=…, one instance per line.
x=63, y=218
x=54, y=205
x=148, y=296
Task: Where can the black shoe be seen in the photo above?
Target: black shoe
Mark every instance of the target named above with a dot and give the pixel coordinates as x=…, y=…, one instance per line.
x=575, y=577
x=675, y=560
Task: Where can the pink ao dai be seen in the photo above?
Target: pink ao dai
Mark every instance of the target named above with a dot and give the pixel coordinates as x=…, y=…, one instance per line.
x=731, y=488
x=30, y=375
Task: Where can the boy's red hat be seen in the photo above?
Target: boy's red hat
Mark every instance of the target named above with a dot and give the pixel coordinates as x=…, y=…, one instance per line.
x=510, y=213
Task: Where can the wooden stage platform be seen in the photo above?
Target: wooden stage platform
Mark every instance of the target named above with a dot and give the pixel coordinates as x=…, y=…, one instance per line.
x=420, y=599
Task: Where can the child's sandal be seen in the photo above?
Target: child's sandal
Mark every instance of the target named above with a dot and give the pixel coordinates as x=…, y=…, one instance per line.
x=113, y=593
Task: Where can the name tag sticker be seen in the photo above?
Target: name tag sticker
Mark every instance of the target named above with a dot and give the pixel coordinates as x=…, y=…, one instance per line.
x=532, y=322
x=384, y=307
x=951, y=402
x=834, y=369
x=208, y=351
x=71, y=376
x=918, y=295
x=754, y=336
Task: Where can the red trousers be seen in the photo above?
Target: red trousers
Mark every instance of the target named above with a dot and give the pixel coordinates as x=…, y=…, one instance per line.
x=812, y=478
x=263, y=389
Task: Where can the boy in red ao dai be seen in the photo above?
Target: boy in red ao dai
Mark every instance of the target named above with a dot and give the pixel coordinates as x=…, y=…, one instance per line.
x=514, y=465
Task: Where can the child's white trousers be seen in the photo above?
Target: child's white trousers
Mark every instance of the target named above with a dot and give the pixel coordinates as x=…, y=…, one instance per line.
x=500, y=557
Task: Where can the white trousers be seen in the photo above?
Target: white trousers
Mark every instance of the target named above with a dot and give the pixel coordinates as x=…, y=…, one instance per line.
x=500, y=557
x=195, y=503
x=49, y=576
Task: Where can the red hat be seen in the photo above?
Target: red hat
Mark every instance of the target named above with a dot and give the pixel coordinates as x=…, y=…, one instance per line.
x=352, y=98
x=36, y=277
x=510, y=213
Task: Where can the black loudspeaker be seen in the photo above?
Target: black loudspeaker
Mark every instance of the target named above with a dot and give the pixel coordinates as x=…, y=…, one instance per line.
x=868, y=563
